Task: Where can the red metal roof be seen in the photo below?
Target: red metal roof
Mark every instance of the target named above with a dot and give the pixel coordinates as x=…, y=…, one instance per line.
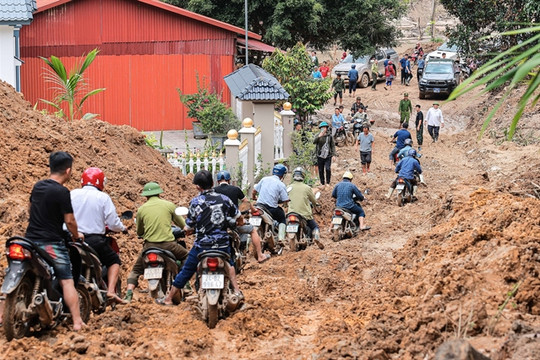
x=49, y=4
x=256, y=45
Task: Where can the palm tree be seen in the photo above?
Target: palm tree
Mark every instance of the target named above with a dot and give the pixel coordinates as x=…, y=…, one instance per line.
x=520, y=63
x=68, y=86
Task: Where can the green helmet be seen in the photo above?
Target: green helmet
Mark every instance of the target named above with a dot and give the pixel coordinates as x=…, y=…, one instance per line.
x=151, y=189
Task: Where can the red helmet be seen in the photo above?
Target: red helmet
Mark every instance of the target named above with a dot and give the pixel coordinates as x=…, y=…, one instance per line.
x=93, y=176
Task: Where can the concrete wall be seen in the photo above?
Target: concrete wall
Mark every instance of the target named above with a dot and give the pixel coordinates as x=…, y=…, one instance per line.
x=7, y=54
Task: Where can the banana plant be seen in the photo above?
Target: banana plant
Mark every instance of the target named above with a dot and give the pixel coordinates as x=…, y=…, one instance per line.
x=520, y=63
x=69, y=87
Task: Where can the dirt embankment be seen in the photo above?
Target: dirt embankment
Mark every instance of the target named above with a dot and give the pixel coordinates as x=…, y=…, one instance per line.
x=433, y=270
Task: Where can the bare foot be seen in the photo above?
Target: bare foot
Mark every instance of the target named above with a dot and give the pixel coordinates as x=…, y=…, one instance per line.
x=113, y=298
x=79, y=326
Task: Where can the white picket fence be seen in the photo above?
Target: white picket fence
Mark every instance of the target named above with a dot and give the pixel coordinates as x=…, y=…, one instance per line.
x=191, y=165
x=278, y=137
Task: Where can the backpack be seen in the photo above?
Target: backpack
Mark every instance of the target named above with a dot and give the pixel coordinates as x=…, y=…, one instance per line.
x=325, y=150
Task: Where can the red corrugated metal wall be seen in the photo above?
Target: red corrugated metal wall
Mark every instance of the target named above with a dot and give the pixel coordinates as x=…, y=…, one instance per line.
x=146, y=53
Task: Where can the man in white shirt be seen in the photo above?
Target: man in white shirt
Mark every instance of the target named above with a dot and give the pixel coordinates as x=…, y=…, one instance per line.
x=434, y=120
x=94, y=211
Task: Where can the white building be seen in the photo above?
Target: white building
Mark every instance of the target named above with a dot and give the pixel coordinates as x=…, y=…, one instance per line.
x=13, y=15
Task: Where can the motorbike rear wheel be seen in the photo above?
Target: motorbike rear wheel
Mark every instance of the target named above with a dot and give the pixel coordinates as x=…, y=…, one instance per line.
x=212, y=316
x=16, y=302
x=350, y=138
x=85, y=303
x=401, y=197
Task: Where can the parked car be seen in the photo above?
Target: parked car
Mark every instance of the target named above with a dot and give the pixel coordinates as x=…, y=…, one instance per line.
x=452, y=52
x=441, y=76
x=363, y=66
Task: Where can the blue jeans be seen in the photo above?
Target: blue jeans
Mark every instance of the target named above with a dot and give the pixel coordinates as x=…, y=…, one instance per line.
x=190, y=266
x=358, y=211
x=393, y=153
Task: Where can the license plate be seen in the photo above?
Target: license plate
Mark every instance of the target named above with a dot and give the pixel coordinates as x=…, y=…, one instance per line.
x=255, y=221
x=337, y=220
x=400, y=187
x=292, y=228
x=212, y=281
x=153, y=273
x=436, y=90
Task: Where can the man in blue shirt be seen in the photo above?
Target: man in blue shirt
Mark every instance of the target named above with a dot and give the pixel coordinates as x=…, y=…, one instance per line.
x=270, y=192
x=408, y=71
x=337, y=120
x=343, y=193
x=406, y=169
x=353, y=79
x=403, y=63
x=316, y=73
x=208, y=217
x=400, y=137
x=420, y=64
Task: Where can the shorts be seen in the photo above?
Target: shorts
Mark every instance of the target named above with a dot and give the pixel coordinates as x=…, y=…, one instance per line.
x=106, y=254
x=365, y=157
x=245, y=229
x=59, y=253
x=339, y=93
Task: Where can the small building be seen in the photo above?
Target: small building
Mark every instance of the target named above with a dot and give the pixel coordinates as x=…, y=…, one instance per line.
x=148, y=50
x=13, y=15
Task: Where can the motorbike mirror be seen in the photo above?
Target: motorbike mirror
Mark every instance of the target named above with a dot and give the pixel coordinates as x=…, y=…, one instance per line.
x=181, y=211
x=126, y=215
x=317, y=195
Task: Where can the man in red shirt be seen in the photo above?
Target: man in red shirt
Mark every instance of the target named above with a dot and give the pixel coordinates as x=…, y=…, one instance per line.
x=324, y=69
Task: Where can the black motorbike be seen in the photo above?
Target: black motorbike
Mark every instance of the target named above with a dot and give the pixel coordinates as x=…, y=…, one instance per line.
x=161, y=266
x=33, y=293
x=267, y=228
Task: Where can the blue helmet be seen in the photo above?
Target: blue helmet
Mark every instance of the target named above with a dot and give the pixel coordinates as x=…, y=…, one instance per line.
x=323, y=124
x=279, y=170
x=411, y=152
x=223, y=175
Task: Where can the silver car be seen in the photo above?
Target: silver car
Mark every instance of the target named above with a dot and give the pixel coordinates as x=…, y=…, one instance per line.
x=363, y=65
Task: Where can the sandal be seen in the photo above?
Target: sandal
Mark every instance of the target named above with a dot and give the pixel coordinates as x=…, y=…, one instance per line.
x=161, y=301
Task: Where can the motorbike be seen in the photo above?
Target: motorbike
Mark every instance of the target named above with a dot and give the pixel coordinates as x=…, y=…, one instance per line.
x=343, y=226
x=161, y=266
x=267, y=228
x=298, y=232
x=404, y=190
x=33, y=292
x=343, y=136
x=239, y=246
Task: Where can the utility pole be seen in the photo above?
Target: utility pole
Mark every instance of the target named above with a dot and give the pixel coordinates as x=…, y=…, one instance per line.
x=246, y=24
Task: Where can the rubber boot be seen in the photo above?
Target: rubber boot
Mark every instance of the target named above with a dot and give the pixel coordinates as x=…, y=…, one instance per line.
x=414, y=191
x=390, y=192
x=281, y=232
x=421, y=176
x=316, y=239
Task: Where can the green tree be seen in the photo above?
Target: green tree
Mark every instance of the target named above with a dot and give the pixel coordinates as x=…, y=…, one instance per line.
x=517, y=65
x=69, y=87
x=356, y=25
x=481, y=18
x=293, y=71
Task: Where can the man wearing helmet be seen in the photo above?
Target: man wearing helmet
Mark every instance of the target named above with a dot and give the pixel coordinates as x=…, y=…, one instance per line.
x=302, y=202
x=400, y=137
x=235, y=194
x=154, y=219
x=406, y=169
x=94, y=211
x=325, y=149
x=209, y=215
x=270, y=192
x=405, y=151
x=344, y=193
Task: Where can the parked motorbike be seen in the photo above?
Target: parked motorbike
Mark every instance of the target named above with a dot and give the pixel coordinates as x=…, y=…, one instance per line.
x=298, y=232
x=33, y=293
x=267, y=228
x=161, y=266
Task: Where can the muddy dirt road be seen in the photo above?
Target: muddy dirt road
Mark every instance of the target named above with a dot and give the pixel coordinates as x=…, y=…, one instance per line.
x=427, y=272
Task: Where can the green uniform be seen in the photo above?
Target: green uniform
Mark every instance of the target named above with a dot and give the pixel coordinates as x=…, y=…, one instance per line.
x=374, y=74
x=154, y=219
x=301, y=197
x=405, y=109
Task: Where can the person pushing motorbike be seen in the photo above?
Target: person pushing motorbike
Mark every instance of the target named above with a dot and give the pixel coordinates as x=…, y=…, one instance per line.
x=270, y=192
x=50, y=207
x=406, y=169
x=343, y=193
x=94, y=212
x=235, y=194
x=154, y=220
x=302, y=201
x=208, y=216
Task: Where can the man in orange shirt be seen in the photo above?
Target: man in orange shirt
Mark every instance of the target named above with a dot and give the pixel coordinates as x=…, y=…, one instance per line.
x=324, y=69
